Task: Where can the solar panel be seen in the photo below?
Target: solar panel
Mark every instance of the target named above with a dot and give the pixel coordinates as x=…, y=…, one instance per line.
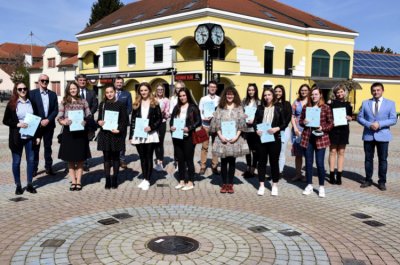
x=376, y=64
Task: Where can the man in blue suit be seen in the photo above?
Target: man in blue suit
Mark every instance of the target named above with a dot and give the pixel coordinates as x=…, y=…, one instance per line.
x=44, y=104
x=126, y=98
x=377, y=115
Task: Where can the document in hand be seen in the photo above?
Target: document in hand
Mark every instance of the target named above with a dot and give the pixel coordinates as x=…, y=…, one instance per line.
x=33, y=122
x=140, y=124
x=110, y=120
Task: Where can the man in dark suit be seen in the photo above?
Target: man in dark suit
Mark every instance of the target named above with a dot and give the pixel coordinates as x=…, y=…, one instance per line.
x=45, y=105
x=377, y=115
x=91, y=97
x=126, y=98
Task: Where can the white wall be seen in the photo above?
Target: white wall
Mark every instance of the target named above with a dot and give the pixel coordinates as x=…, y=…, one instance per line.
x=6, y=84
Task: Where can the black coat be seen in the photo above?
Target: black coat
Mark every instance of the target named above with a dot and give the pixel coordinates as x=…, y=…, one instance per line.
x=277, y=121
x=154, y=116
x=287, y=111
x=193, y=118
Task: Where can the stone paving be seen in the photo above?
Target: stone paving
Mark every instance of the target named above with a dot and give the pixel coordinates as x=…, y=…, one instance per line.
x=56, y=226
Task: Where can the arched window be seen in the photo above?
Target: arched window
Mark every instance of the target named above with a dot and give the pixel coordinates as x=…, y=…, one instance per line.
x=320, y=63
x=341, y=65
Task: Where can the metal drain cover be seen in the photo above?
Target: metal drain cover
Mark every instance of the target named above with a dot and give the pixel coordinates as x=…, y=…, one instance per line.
x=173, y=245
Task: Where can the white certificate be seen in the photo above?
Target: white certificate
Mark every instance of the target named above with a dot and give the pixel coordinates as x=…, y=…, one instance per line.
x=110, y=120
x=313, y=116
x=140, y=124
x=339, y=116
x=228, y=129
x=266, y=137
x=208, y=109
x=250, y=112
x=33, y=122
x=179, y=124
x=76, y=118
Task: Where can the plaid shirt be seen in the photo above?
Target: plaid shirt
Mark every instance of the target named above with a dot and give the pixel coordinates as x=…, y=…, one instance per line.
x=326, y=121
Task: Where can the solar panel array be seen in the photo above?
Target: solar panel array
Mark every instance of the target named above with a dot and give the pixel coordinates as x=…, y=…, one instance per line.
x=376, y=64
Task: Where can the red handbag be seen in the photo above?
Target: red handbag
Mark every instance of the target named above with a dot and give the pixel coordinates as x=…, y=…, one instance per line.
x=199, y=136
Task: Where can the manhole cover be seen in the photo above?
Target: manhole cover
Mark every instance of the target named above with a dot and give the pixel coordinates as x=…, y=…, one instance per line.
x=258, y=229
x=373, y=223
x=122, y=216
x=361, y=215
x=108, y=221
x=54, y=243
x=353, y=262
x=173, y=245
x=162, y=185
x=289, y=232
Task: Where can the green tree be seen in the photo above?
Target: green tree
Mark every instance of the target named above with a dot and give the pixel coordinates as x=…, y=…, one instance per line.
x=382, y=49
x=102, y=8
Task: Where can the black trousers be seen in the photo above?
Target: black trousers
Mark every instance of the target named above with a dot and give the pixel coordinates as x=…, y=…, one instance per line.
x=184, y=151
x=145, y=152
x=47, y=136
x=228, y=169
x=160, y=146
x=251, y=138
x=111, y=159
x=272, y=151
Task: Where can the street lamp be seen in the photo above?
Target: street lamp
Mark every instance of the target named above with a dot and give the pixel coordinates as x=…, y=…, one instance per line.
x=290, y=86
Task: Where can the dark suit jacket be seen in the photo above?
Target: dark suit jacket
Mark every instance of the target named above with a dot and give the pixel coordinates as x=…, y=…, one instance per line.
x=126, y=99
x=37, y=105
x=92, y=100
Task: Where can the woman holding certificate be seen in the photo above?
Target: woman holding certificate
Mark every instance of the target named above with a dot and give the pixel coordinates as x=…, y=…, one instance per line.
x=74, y=146
x=339, y=135
x=229, y=122
x=317, y=120
x=145, y=121
x=113, y=121
x=250, y=103
x=15, y=117
x=269, y=121
x=185, y=119
x=163, y=102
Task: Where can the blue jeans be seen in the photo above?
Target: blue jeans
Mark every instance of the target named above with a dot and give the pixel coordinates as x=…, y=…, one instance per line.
x=16, y=161
x=382, y=151
x=319, y=157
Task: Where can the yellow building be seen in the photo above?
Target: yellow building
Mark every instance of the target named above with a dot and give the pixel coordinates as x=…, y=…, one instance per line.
x=149, y=40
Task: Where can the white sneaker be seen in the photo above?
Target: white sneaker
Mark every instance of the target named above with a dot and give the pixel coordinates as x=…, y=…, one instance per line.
x=274, y=190
x=261, y=191
x=158, y=168
x=308, y=190
x=146, y=185
x=141, y=184
x=321, y=192
x=188, y=187
x=179, y=186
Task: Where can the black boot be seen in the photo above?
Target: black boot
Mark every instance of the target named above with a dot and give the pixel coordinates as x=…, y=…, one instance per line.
x=108, y=183
x=332, y=177
x=114, y=182
x=339, y=178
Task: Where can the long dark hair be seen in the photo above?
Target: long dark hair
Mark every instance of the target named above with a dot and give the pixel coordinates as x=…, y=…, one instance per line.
x=281, y=87
x=299, y=94
x=14, y=97
x=236, y=100
x=68, y=97
x=248, y=98
x=189, y=97
x=104, y=97
x=263, y=101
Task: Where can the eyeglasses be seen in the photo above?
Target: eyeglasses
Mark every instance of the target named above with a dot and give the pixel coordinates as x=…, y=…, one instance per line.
x=20, y=89
x=44, y=80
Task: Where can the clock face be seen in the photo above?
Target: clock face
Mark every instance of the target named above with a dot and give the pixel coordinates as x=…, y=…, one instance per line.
x=201, y=35
x=217, y=35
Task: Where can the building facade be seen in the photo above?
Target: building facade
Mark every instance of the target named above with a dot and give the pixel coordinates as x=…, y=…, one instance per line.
x=266, y=42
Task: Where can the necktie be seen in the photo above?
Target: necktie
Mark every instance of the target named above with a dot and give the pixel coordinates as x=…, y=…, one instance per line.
x=118, y=94
x=376, y=106
x=82, y=94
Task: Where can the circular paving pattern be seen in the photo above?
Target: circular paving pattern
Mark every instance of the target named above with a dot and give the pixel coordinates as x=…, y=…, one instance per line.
x=124, y=237
x=173, y=245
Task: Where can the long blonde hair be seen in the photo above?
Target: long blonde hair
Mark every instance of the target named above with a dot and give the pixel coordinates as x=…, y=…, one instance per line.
x=138, y=100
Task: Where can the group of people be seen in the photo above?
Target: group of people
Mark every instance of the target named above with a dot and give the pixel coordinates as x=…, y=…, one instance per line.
x=236, y=127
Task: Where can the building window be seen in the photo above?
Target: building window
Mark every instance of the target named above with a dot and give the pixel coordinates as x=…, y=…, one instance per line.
x=56, y=87
x=51, y=62
x=95, y=61
x=131, y=55
x=110, y=58
x=158, y=53
x=268, y=60
x=341, y=65
x=219, y=53
x=320, y=64
x=288, y=61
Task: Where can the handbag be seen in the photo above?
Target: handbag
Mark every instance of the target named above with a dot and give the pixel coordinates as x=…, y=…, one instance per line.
x=199, y=136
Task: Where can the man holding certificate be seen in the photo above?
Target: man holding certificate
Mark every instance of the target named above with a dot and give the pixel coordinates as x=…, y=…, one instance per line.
x=228, y=123
x=207, y=107
x=315, y=140
x=74, y=146
x=377, y=115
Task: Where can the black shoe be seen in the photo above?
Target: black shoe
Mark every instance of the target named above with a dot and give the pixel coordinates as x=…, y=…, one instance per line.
x=108, y=183
x=382, y=186
x=19, y=190
x=332, y=179
x=114, y=182
x=78, y=187
x=30, y=188
x=215, y=171
x=366, y=184
x=50, y=171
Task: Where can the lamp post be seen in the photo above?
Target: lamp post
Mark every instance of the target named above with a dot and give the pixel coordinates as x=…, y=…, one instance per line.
x=290, y=85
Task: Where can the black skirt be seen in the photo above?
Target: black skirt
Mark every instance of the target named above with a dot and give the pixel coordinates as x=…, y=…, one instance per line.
x=74, y=146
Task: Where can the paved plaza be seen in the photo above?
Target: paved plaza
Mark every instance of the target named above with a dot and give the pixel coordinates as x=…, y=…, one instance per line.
x=98, y=226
